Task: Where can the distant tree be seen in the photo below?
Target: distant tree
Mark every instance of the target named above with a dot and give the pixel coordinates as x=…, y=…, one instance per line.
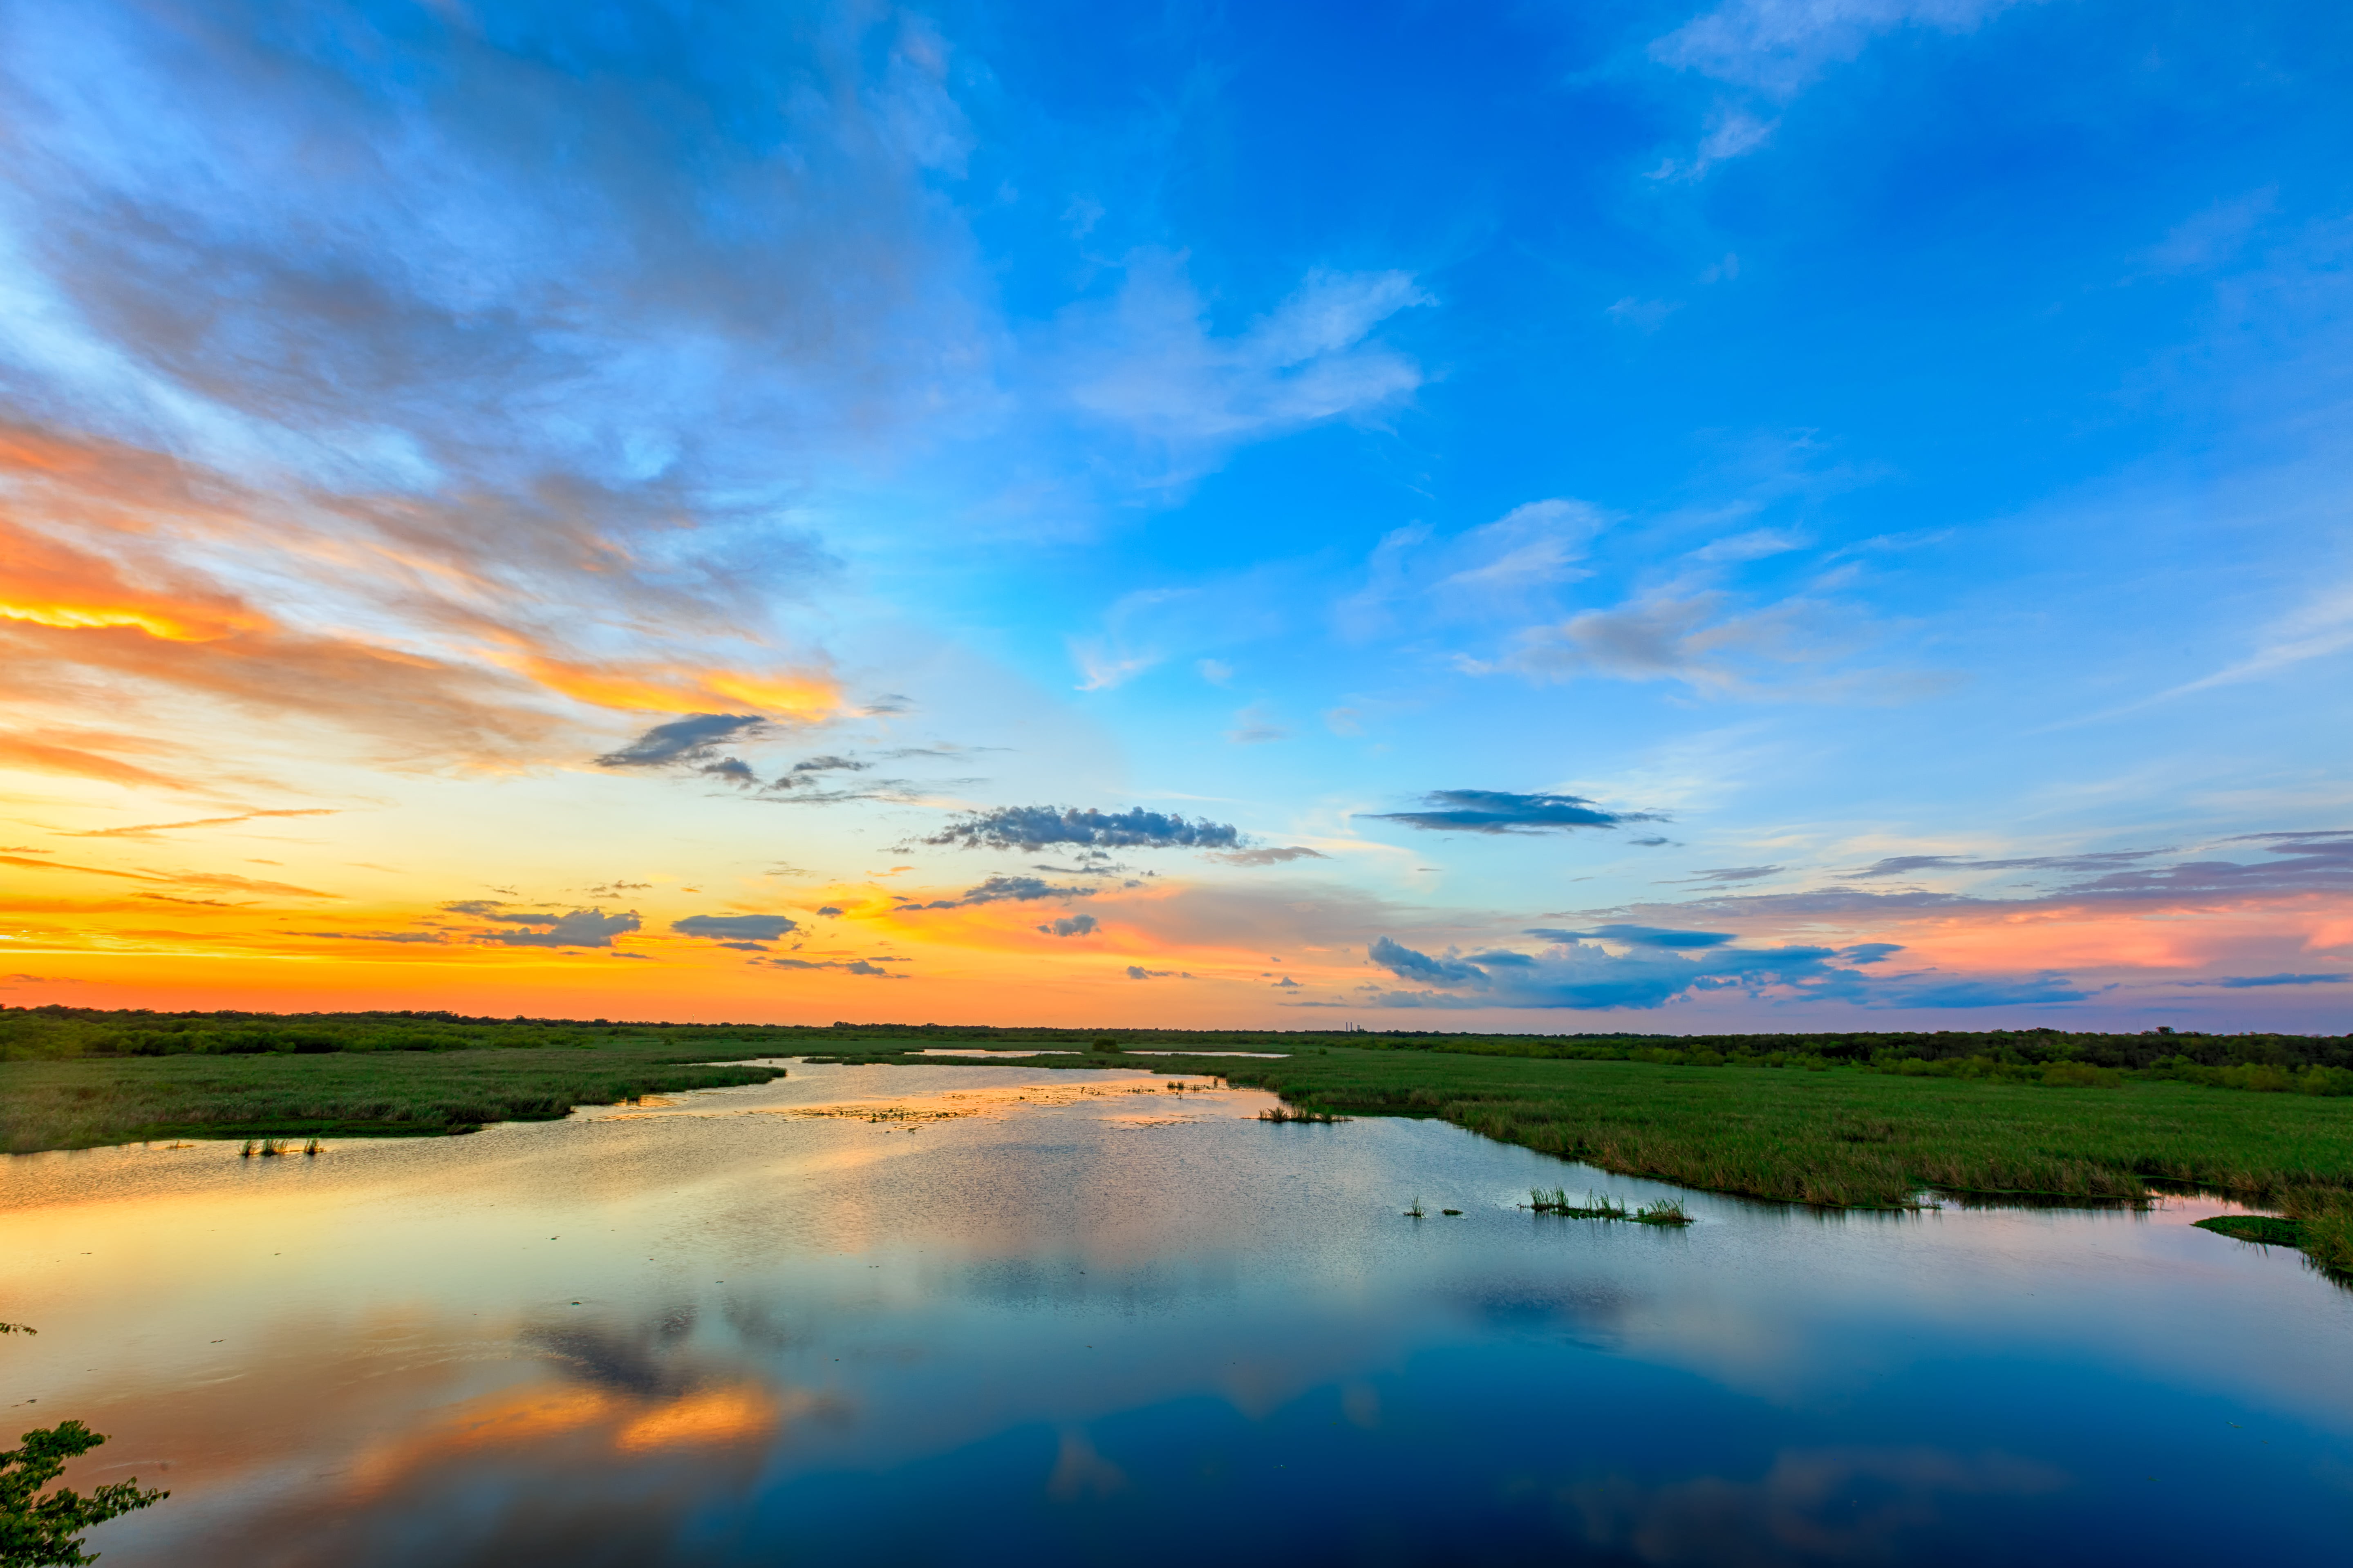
x=43, y=1530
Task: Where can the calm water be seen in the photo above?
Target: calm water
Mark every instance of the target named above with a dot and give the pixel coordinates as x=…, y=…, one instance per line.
x=1071, y=1317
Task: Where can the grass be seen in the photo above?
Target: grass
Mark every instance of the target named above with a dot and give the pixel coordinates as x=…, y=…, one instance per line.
x=1850, y=1137
x=2256, y=1227
x=1283, y=1113
x=1665, y=1212
x=77, y=1104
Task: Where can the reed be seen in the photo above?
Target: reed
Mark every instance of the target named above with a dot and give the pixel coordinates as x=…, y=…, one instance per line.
x=1416, y=1212
x=1286, y=1114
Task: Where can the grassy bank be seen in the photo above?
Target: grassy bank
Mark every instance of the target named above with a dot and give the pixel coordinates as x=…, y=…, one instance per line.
x=75, y=1104
x=1847, y=1137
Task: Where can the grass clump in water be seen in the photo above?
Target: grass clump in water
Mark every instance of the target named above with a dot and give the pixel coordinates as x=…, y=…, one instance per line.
x=2267, y=1230
x=1284, y=1113
x=1600, y=1207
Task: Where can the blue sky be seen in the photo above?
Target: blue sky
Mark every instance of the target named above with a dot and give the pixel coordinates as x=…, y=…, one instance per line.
x=1875, y=458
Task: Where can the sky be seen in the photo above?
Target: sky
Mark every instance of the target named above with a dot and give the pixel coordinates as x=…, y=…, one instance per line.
x=1764, y=515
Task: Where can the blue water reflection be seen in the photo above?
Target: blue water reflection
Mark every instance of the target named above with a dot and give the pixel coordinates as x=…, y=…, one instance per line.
x=975, y=1315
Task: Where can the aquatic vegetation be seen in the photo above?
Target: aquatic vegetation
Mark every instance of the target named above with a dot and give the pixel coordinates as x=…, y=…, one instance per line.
x=313, y=1148
x=1843, y=1139
x=2262, y=1228
x=1456, y=1213
x=1416, y=1212
x=1283, y=1113
x=1667, y=1211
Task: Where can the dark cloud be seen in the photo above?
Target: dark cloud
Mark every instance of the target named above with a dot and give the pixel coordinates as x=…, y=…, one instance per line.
x=829, y=909
x=579, y=928
x=1638, y=936
x=1270, y=856
x=2249, y=982
x=1137, y=972
x=858, y=966
x=1034, y=828
x=1006, y=890
x=830, y=765
x=1574, y=974
x=693, y=738
x=1497, y=811
x=480, y=907
x=738, y=928
x=1071, y=925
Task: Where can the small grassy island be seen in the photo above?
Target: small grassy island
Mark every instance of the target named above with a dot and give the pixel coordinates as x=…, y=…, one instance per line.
x=1847, y=1121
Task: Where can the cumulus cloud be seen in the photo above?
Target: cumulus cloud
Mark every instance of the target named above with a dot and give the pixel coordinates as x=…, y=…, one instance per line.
x=1034, y=828
x=1575, y=974
x=1005, y=889
x=1498, y=811
x=1071, y=925
x=737, y=929
x=577, y=928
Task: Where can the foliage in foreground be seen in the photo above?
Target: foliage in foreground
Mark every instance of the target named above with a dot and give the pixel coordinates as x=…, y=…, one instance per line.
x=43, y=1530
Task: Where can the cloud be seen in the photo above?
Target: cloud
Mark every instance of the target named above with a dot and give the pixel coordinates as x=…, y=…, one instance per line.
x=1721, y=875
x=1640, y=936
x=1071, y=925
x=1269, y=856
x=1150, y=364
x=1415, y=573
x=1496, y=811
x=1006, y=889
x=149, y=830
x=830, y=765
x=1254, y=727
x=865, y=969
x=1137, y=972
x=1691, y=639
x=1574, y=974
x=405, y=936
x=578, y=928
x=1033, y=827
x=693, y=738
x=53, y=751
x=2251, y=982
x=736, y=928
x=1903, y=865
x=832, y=909
x=1780, y=45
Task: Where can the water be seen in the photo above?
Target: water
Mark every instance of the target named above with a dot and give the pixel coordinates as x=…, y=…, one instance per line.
x=1059, y=1321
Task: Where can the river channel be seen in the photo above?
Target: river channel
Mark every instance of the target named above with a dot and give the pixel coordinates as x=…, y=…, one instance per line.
x=994, y=1315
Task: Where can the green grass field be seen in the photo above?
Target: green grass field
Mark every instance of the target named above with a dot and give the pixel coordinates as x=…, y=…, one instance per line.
x=1845, y=1137
x=1849, y=1121
x=75, y=1104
